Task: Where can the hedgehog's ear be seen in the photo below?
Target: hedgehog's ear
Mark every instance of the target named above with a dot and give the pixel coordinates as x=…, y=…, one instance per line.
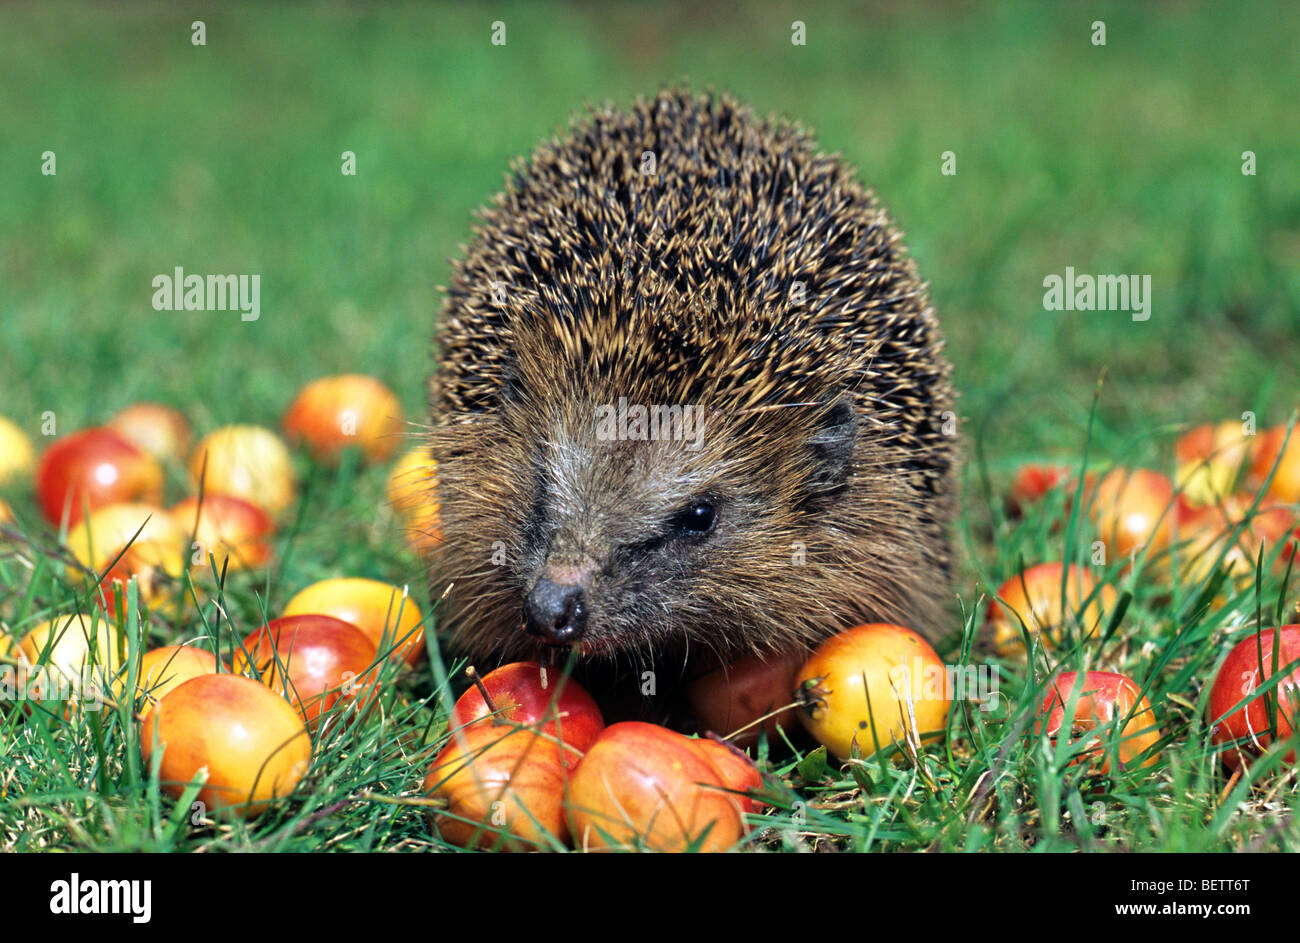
x=510, y=391
x=831, y=445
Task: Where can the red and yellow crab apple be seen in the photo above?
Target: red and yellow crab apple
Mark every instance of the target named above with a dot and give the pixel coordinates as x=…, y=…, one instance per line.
x=248, y=462
x=526, y=694
x=1209, y=458
x=238, y=737
x=1279, y=456
x=729, y=698
x=1103, y=701
x=1134, y=511
x=164, y=669
x=412, y=493
x=644, y=786
x=873, y=685
x=97, y=539
x=1035, y=599
x=334, y=413
x=237, y=532
x=503, y=787
x=1031, y=484
x=159, y=430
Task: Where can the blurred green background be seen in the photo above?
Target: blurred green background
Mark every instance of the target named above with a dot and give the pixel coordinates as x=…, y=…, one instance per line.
x=226, y=158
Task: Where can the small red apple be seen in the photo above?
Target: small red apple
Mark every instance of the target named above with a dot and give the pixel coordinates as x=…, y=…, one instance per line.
x=524, y=693
x=94, y=467
x=1250, y=663
x=730, y=698
x=736, y=770
x=1032, y=483
x=315, y=660
x=1102, y=697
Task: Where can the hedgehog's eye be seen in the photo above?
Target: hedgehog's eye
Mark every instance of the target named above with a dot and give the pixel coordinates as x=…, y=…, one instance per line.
x=696, y=520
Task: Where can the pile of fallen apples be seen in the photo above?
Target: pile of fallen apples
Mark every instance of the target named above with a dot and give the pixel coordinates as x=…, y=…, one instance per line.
x=1231, y=503
x=239, y=731
x=530, y=763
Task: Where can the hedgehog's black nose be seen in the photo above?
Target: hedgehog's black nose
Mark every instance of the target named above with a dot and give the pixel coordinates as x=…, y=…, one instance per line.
x=556, y=612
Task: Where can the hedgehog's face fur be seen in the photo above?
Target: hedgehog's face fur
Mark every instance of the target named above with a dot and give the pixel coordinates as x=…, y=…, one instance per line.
x=750, y=279
x=640, y=531
x=637, y=530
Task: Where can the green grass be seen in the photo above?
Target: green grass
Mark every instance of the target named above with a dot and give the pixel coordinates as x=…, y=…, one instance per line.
x=226, y=159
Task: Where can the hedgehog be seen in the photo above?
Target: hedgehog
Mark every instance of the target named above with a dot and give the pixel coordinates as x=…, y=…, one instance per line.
x=690, y=397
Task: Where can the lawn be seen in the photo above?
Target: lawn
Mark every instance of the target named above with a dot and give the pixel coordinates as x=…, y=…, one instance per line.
x=1122, y=158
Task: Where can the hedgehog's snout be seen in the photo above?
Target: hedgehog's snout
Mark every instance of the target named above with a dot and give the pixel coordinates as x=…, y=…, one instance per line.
x=556, y=612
